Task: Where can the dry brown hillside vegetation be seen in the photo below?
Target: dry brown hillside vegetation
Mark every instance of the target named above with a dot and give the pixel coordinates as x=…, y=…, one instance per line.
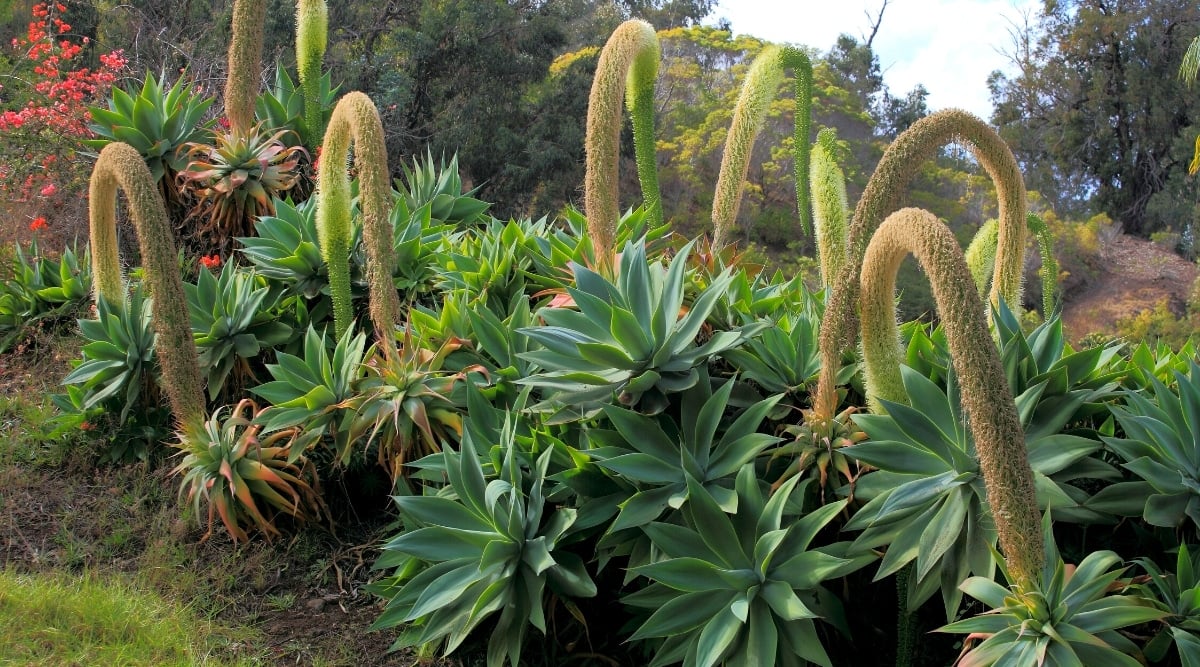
x=1136, y=276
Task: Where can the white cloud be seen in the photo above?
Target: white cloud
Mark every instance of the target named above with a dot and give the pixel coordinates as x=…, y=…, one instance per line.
x=950, y=46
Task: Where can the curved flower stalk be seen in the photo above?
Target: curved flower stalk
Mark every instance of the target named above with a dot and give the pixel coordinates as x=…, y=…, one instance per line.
x=897, y=167
x=757, y=92
x=245, y=59
x=312, y=35
x=827, y=184
x=1049, y=270
x=986, y=398
x=355, y=117
x=981, y=257
x=120, y=167
x=628, y=65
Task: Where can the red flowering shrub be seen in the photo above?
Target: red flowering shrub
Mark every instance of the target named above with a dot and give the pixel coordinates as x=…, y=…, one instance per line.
x=45, y=118
x=211, y=262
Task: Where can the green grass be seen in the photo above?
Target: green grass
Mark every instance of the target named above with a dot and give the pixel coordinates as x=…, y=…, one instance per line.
x=55, y=619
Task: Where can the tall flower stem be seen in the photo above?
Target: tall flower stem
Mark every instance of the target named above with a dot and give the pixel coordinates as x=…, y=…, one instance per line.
x=312, y=35
x=356, y=119
x=986, y=397
x=245, y=61
x=757, y=92
x=120, y=167
x=829, y=204
x=896, y=169
x=629, y=60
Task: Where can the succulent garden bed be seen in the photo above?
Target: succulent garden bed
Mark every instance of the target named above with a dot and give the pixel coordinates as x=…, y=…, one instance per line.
x=371, y=417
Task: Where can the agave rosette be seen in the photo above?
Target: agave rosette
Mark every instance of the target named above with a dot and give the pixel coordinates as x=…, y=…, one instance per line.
x=633, y=339
x=1066, y=617
x=236, y=179
x=740, y=589
x=481, y=549
x=926, y=502
x=242, y=478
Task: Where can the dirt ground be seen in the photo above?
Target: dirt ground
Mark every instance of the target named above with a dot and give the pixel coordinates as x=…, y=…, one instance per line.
x=1137, y=275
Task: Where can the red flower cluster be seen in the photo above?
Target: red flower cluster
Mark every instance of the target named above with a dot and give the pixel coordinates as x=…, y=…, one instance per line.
x=66, y=91
x=210, y=262
x=38, y=223
x=60, y=93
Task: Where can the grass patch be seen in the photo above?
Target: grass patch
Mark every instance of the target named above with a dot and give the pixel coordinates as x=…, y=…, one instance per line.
x=53, y=619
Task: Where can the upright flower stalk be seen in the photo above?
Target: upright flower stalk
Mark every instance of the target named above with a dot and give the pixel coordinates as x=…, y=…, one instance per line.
x=356, y=119
x=757, y=92
x=981, y=255
x=1049, y=271
x=827, y=184
x=120, y=167
x=245, y=61
x=896, y=169
x=986, y=397
x=628, y=63
x=312, y=35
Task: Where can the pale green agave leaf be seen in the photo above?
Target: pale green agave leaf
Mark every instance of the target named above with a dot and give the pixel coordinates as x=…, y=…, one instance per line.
x=490, y=549
x=737, y=589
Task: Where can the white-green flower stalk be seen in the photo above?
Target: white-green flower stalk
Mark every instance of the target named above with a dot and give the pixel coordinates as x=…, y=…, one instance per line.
x=245, y=61
x=899, y=164
x=981, y=255
x=986, y=397
x=981, y=258
x=1049, y=271
x=629, y=61
x=757, y=92
x=355, y=118
x=312, y=34
x=120, y=167
x=827, y=184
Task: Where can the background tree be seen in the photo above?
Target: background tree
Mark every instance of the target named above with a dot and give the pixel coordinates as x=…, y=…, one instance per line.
x=1096, y=114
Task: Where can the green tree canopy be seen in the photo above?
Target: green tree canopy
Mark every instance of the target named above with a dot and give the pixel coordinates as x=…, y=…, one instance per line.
x=1096, y=114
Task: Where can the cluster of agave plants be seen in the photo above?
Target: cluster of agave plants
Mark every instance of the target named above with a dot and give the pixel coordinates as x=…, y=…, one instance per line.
x=589, y=426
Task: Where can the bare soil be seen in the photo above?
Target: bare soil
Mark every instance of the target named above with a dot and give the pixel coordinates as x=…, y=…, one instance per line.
x=1137, y=275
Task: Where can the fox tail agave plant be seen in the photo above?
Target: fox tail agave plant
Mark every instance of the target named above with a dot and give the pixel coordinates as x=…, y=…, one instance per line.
x=120, y=166
x=742, y=589
x=355, y=118
x=493, y=549
x=986, y=398
x=757, y=93
x=1160, y=449
x=881, y=197
x=1065, y=617
x=627, y=339
x=626, y=71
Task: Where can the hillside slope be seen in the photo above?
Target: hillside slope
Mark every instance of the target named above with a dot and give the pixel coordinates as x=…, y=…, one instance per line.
x=1137, y=275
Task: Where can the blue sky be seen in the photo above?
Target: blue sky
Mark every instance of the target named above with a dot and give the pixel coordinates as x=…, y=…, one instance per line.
x=950, y=46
